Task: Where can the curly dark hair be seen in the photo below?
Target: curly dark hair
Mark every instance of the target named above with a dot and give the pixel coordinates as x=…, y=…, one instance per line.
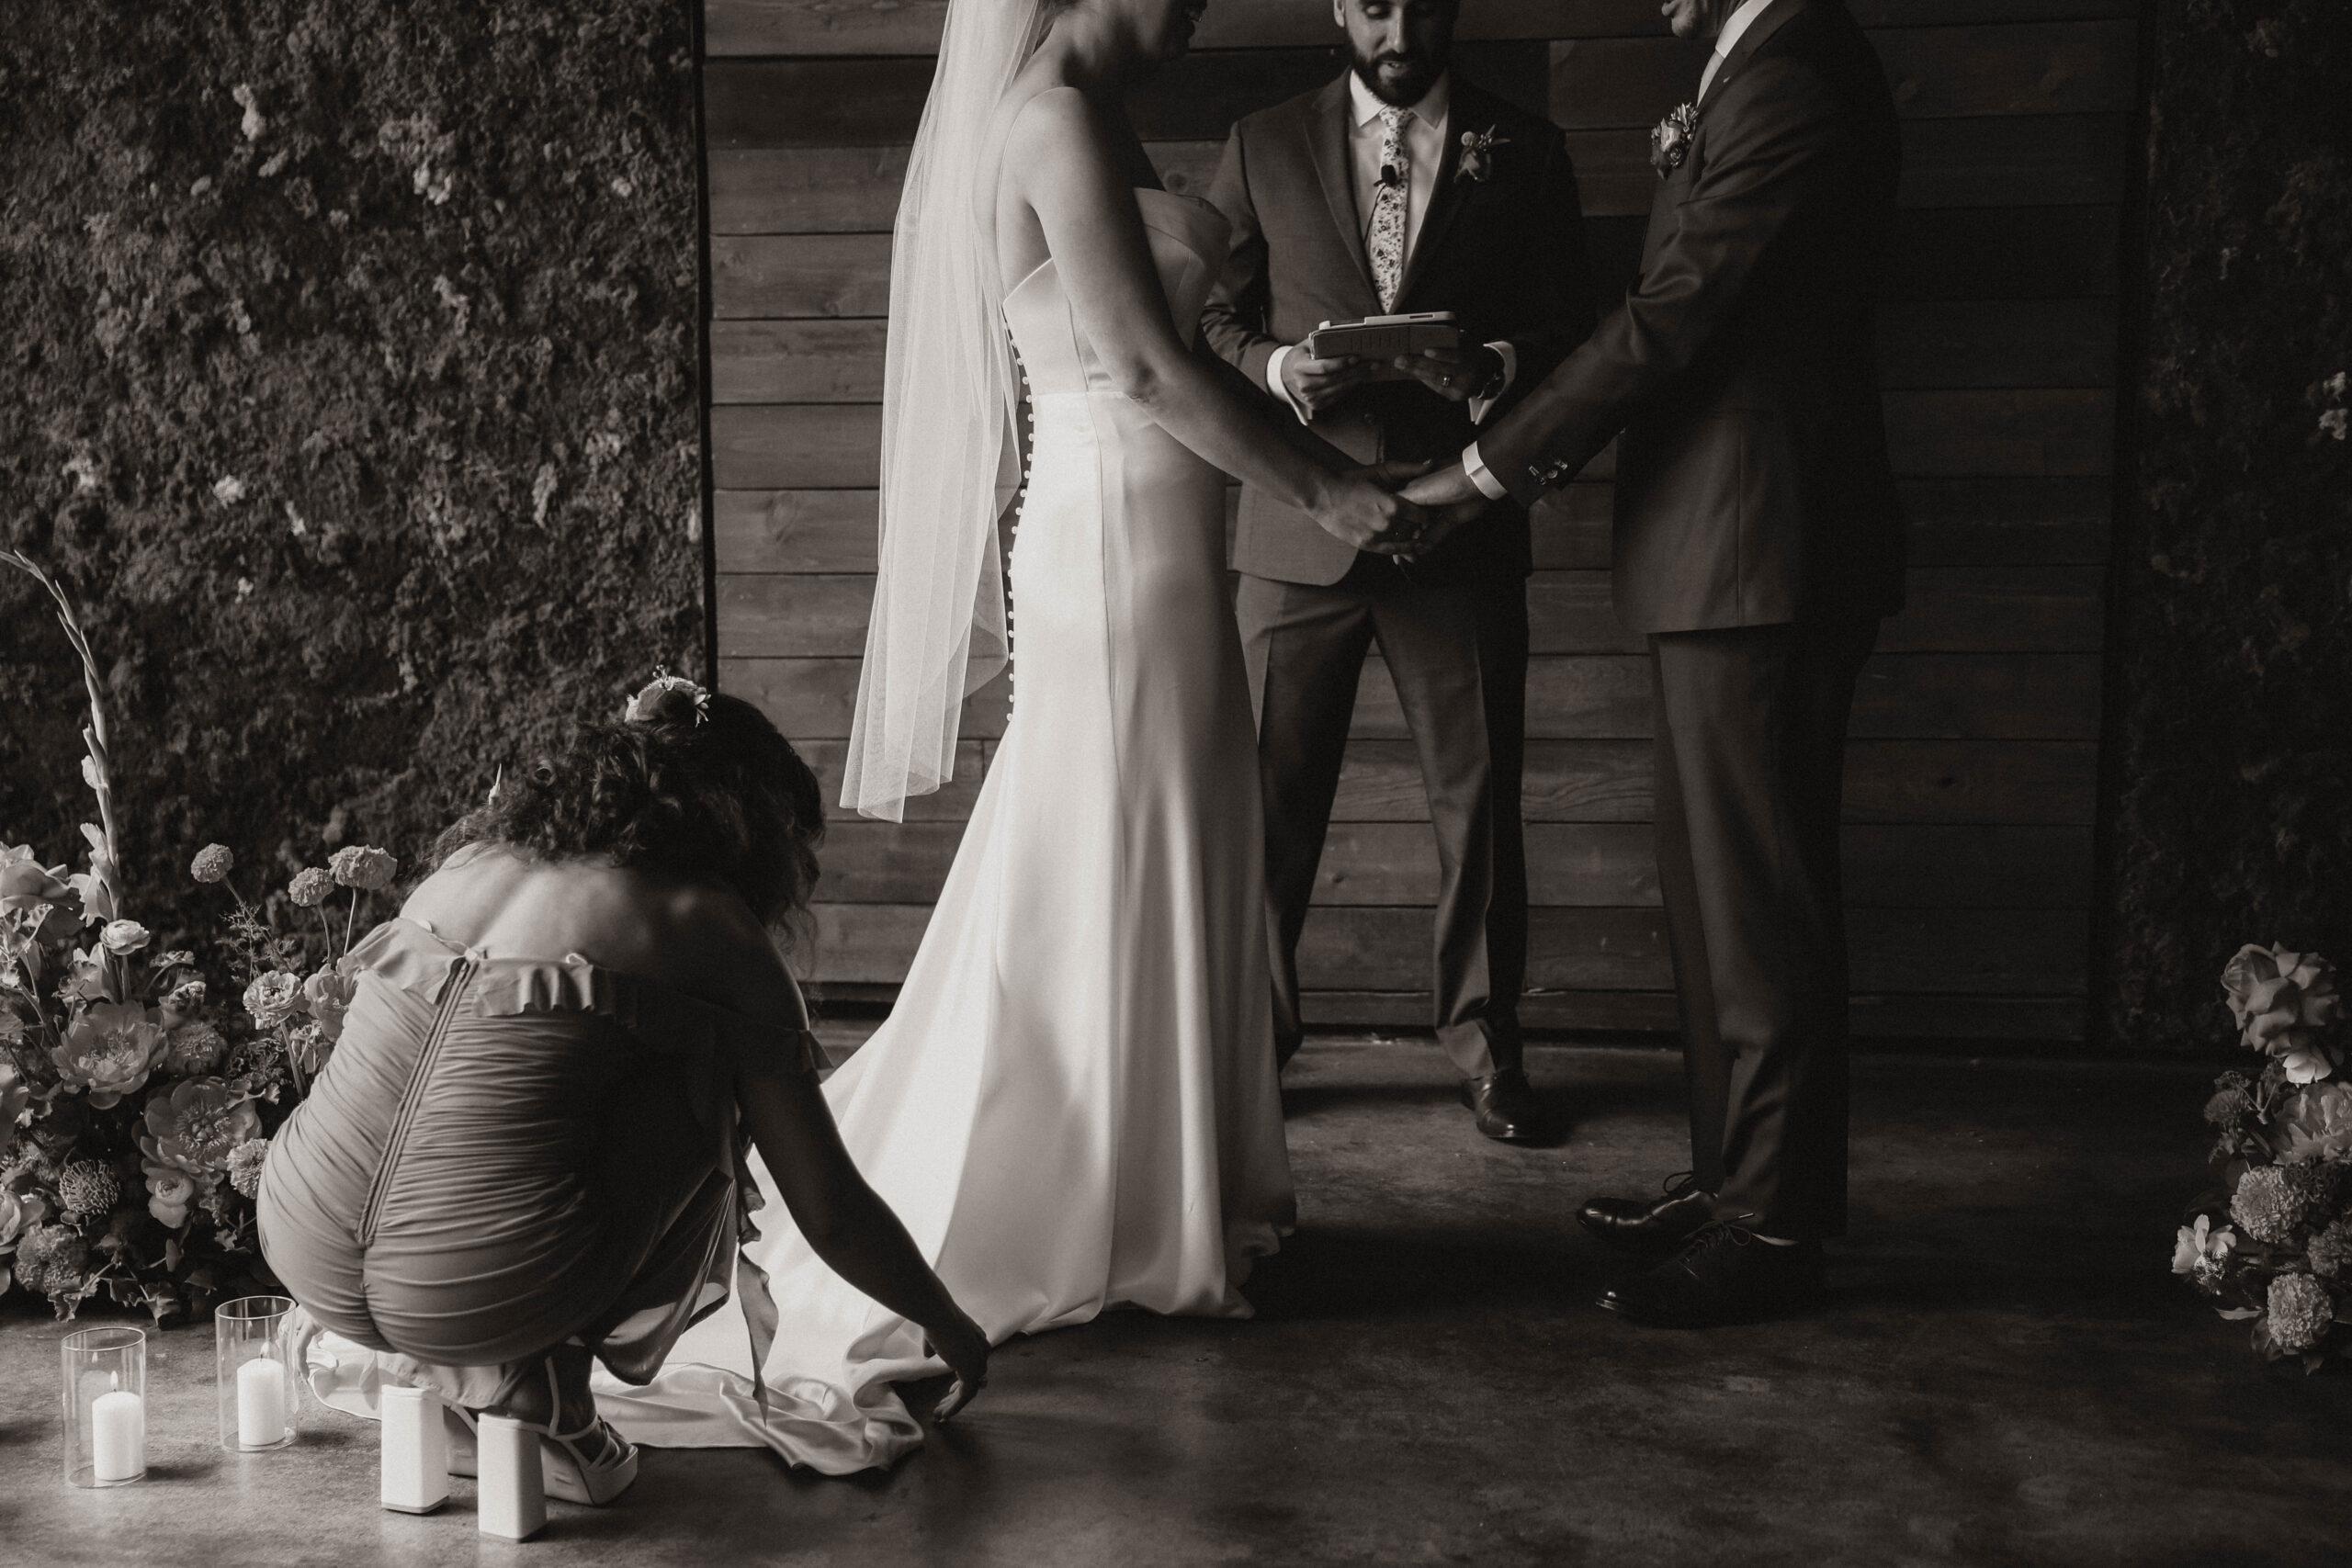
x=697, y=784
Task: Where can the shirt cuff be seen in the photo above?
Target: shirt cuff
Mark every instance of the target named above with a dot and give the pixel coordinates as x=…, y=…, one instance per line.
x=1275, y=384
x=1481, y=407
x=1475, y=467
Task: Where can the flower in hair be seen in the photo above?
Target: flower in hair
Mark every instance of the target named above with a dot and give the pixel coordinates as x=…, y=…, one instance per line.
x=640, y=707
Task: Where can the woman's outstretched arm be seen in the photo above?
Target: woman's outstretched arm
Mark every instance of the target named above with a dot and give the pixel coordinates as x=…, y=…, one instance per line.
x=1068, y=175
x=848, y=1225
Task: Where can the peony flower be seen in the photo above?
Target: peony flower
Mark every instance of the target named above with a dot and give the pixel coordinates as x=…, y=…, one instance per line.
x=193, y=1050
x=328, y=996
x=212, y=864
x=123, y=938
x=274, y=998
x=169, y=1193
x=2270, y=1204
x=2301, y=1310
x=369, y=869
x=2315, y=1124
x=195, y=1125
x=2278, y=999
x=16, y=1215
x=2201, y=1253
x=309, y=887
x=110, y=1051
x=244, y=1166
x=2331, y=1252
x=87, y=1188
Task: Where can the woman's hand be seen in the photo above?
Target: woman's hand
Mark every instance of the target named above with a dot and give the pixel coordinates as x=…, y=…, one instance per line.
x=965, y=1349
x=1360, y=508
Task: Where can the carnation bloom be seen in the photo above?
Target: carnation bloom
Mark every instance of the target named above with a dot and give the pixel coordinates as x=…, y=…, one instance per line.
x=2278, y=999
x=309, y=887
x=2200, y=1252
x=212, y=864
x=244, y=1166
x=2315, y=1124
x=2331, y=1251
x=169, y=1193
x=110, y=1051
x=87, y=1188
x=2301, y=1310
x=193, y=1050
x=195, y=1125
x=275, y=997
x=122, y=938
x=365, y=867
x=2270, y=1204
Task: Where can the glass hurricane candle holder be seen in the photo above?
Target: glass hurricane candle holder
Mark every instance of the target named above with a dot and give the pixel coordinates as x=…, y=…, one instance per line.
x=105, y=1407
x=254, y=1358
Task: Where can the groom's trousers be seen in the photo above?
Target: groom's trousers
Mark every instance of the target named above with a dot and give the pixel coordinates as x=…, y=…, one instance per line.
x=1751, y=727
x=1455, y=644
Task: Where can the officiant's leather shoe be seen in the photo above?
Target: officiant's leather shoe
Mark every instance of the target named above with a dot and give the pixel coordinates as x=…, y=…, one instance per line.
x=1725, y=1273
x=1651, y=1224
x=1504, y=1105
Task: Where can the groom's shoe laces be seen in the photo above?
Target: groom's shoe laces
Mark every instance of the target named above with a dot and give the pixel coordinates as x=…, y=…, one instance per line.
x=1711, y=1238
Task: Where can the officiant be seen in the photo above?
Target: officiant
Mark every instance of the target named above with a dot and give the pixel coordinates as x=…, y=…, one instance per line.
x=1400, y=188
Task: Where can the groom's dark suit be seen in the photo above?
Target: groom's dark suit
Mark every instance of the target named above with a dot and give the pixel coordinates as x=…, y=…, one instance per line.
x=1757, y=543
x=1506, y=253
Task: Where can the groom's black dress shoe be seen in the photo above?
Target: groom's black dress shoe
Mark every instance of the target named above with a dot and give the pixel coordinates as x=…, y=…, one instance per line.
x=1504, y=1105
x=1651, y=1226
x=1726, y=1273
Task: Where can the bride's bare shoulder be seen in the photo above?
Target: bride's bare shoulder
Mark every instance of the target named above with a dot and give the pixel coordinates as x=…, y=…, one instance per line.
x=1053, y=127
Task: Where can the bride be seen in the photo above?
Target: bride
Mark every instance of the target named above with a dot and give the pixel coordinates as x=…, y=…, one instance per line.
x=1073, y=1105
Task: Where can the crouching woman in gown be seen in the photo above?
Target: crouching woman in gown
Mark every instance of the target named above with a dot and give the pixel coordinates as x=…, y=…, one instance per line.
x=528, y=1150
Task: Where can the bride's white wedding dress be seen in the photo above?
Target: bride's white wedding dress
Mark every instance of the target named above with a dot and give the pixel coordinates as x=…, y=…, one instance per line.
x=1073, y=1104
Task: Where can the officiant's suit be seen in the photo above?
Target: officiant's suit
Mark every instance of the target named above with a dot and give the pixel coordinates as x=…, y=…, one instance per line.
x=1758, y=544
x=1500, y=243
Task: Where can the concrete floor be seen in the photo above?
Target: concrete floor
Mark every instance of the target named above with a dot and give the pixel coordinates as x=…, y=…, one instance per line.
x=2006, y=1375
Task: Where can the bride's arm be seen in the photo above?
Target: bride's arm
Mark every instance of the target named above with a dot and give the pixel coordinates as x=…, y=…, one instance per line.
x=1065, y=173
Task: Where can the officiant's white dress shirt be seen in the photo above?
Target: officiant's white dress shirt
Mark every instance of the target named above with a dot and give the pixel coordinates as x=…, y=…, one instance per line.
x=1738, y=24
x=1425, y=136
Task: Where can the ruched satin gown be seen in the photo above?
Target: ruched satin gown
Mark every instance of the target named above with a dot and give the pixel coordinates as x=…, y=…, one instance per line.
x=1073, y=1104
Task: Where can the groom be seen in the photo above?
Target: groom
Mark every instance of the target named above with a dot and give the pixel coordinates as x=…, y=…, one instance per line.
x=1399, y=187
x=1758, y=544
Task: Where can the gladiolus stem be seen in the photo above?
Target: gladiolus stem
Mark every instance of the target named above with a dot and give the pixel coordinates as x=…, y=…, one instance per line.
x=94, y=735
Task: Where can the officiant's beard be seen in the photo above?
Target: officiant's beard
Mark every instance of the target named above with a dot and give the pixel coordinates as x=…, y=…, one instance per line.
x=1403, y=80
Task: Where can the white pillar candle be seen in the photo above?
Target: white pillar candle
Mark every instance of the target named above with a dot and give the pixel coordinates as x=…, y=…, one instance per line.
x=118, y=1436
x=511, y=1498
x=416, y=1451
x=261, y=1402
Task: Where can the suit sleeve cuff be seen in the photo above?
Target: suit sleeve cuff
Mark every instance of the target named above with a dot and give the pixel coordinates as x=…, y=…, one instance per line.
x=1475, y=467
x=1481, y=407
x=1275, y=384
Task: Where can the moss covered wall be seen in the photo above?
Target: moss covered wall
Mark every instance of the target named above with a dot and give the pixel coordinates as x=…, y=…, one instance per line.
x=2230, y=759
x=348, y=380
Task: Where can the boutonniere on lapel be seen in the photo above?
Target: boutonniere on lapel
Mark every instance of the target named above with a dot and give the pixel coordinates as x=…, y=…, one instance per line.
x=1478, y=154
x=1671, y=140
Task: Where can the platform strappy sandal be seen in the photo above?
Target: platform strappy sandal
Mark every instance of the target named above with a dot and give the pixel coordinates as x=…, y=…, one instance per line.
x=593, y=1465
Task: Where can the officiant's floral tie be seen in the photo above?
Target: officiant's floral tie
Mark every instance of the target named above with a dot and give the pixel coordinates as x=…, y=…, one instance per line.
x=1385, y=239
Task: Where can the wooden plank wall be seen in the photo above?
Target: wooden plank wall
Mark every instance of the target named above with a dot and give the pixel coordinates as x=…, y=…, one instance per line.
x=1970, y=774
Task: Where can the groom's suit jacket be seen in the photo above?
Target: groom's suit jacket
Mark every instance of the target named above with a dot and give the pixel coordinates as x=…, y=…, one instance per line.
x=1753, y=487
x=1506, y=255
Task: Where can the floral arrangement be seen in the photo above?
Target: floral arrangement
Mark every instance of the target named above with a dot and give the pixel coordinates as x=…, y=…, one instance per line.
x=136, y=1109
x=2273, y=1244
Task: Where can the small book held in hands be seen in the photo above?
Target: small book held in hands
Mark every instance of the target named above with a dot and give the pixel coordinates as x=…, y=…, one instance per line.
x=1384, y=337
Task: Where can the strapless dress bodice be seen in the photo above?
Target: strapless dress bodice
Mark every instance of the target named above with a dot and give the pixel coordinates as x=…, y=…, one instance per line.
x=1187, y=237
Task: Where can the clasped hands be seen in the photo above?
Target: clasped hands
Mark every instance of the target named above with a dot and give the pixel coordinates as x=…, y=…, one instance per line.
x=1404, y=510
